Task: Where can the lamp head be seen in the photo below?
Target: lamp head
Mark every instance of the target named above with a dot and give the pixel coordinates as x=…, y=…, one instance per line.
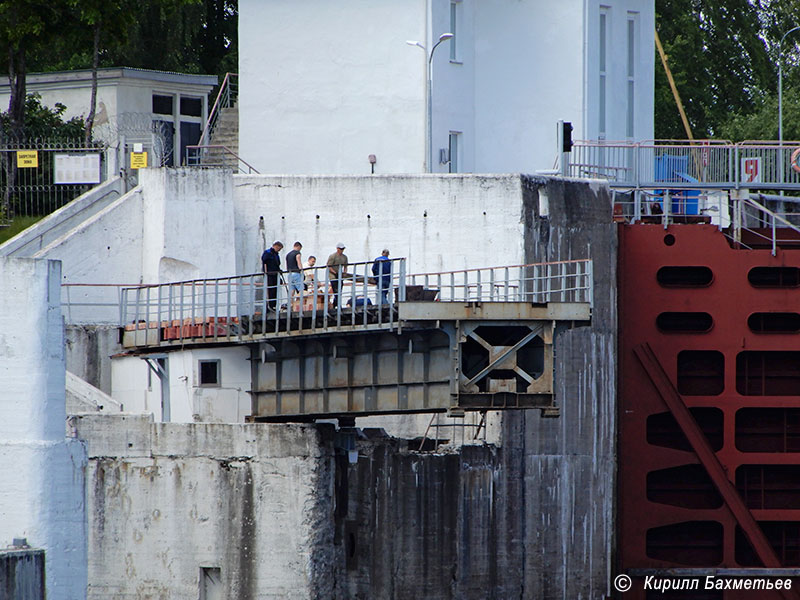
x=415, y=43
x=445, y=36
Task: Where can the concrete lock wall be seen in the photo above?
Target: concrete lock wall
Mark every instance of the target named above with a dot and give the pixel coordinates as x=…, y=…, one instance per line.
x=170, y=503
x=42, y=494
x=437, y=222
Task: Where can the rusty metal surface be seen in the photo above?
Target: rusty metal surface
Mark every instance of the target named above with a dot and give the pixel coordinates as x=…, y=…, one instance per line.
x=666, y=520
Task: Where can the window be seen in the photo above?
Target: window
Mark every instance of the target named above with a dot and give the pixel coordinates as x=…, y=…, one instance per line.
x=601, y=118
x=632, y=18
x=162, y=104
x=191, y=107
x=453, y=151
x=454, y=30
x=210, y=583
x=209, y=372
x=765, y=429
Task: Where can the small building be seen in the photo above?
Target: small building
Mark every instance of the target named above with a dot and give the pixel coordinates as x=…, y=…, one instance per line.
x=325, y=86
x=157, y=108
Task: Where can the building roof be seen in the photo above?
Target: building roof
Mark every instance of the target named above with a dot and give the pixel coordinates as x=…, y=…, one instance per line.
x=108, y=73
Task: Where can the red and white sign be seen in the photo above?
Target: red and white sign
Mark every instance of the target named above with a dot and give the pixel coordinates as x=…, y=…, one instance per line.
x=751, y=170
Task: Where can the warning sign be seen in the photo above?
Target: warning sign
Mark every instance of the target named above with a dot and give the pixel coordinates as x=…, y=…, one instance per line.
x=138, y=160
x=27, y=159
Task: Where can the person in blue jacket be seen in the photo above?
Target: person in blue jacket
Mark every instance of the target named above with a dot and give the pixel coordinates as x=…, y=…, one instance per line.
x=271, y=263
x=382, y=270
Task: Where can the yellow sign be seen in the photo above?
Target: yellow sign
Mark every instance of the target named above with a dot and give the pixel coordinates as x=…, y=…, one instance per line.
x=27, y=159
x=138, y=160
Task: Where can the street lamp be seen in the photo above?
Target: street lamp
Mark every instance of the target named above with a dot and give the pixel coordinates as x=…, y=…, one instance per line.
x=429, y=86
x=780, y=84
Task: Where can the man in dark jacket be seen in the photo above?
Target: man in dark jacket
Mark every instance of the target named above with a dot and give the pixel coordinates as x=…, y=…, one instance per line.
x=271, y=263
x=382, y=269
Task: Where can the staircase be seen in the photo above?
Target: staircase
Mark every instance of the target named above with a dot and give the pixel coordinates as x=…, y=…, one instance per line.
x=219, y=142
x=225, y=133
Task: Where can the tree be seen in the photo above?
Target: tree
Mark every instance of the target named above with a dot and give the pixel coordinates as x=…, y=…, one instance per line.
x=719, y=54
x=24, y=25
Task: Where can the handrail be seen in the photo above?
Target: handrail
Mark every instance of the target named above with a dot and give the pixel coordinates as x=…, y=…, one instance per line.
x=224, y=91
x=538, y=264
x=259, y=304
x=251, y=168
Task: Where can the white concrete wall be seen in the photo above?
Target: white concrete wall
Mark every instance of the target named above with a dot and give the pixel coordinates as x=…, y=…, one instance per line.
x=529, y=69
x=158, y=232
x=437, y=222
x=340, y=84
x=618, y=12
x=167, y=499
x=188, y=218
x=229, y=402
x=42, y=473
x=323, y=86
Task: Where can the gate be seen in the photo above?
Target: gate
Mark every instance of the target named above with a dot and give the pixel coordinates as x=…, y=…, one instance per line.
x=40, y=176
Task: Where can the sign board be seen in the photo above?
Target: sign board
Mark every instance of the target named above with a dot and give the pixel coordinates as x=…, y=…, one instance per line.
x=77, y=168
x=751, y=169
x=27, y=159
x=138, y=160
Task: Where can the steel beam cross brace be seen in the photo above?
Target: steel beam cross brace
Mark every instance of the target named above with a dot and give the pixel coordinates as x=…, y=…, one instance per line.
x=709, y=459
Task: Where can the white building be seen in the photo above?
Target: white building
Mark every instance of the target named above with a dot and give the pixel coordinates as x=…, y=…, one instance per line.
x=132, y=104
x=325, y=85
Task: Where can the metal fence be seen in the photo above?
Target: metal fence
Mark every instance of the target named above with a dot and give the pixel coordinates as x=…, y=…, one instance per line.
x=235, y=307
x=39, y=176
x=91, y=303
x=561, y=281
x=684, y=165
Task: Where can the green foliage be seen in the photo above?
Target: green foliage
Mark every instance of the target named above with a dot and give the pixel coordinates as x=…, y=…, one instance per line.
x=18, y=225
x=718, y=53
x=187, y=36
x=44, y=122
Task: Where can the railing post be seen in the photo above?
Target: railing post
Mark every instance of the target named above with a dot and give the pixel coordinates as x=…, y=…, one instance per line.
x=402, y=282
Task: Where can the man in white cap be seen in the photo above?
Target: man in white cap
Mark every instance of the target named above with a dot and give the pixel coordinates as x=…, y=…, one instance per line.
x=337, y=267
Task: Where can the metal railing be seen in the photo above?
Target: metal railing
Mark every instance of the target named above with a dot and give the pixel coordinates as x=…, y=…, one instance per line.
x=363, y=296
x=560, y=281
x=703, y=164
x=226, y=97
x=92, y=303
x=755, y=225
x=217, y=155
x=247, y=305
x=33, y=184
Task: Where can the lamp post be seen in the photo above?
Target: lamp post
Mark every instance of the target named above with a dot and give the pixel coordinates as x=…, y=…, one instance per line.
x=429, y=89
x=780, y=85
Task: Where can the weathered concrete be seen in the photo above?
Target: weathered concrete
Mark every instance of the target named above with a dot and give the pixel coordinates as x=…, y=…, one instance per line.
x=568, y=464
x=167, y=499
x=57, y=224
x=84, y=397
x=88, y=351
x=22, y=574
x=42, y=473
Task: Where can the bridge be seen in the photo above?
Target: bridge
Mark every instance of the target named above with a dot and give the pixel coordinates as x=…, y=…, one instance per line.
x=475, y=339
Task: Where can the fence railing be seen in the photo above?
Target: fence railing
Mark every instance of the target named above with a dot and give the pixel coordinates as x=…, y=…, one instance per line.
x=683, y=165
x=217, y=155
x=561, y=281
x=226, y=97
x=40, y=176
x=316, y=299
x=321, y=299
x=92, y=303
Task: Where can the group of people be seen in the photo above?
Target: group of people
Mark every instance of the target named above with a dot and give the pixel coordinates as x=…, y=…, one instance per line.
x=301, y=274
